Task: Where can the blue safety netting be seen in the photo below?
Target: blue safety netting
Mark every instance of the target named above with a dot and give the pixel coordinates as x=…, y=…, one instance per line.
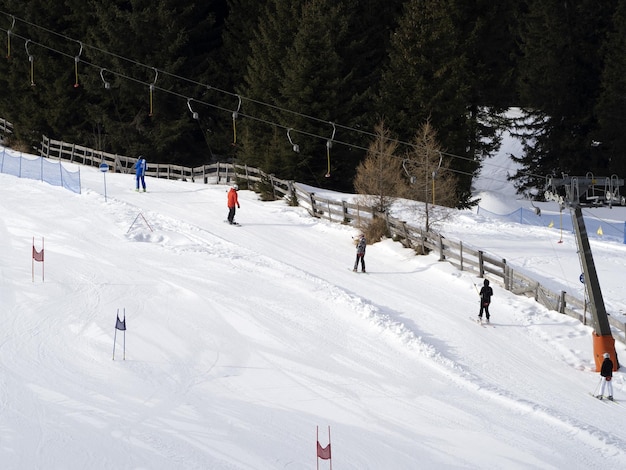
x=596, y=227
x=38, y=168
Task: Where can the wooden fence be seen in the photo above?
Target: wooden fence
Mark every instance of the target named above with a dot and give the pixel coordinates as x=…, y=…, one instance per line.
x=464, y=257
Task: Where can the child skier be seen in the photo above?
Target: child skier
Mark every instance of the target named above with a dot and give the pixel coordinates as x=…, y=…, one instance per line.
x=485, y=299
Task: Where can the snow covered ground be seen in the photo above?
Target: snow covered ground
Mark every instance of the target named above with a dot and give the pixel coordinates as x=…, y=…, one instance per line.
x=240, y=341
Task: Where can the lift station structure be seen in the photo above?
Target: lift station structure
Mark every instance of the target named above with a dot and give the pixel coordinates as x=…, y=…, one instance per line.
x=588, y=190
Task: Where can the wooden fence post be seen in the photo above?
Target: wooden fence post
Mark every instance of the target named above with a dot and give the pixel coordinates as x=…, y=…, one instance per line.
x=441, y=255
x=313, y=206
x=406, y=235
x=461, y=253
x=504, y=273
x=273, y=187
x=481, y=264
x=344, y=206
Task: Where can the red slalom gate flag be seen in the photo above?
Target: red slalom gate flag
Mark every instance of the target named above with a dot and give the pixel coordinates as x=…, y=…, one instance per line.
x=37, y=255
x=323, y=452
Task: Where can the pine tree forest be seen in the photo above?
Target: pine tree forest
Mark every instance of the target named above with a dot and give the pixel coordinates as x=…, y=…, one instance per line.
x=298, y=87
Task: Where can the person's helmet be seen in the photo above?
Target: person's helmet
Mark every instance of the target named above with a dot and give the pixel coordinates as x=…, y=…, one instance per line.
x=235, y=187
x=486, y=282
x=606, y=355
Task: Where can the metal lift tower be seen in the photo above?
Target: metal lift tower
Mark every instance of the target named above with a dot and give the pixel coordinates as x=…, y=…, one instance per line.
x=603, y=340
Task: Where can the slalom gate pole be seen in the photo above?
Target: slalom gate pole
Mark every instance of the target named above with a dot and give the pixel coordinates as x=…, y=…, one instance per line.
x=115, y=334
x=124, y=356
x=114, y=340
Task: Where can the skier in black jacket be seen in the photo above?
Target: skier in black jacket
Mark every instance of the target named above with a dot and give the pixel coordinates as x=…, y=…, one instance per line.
x=485, y=299
x=606, y=372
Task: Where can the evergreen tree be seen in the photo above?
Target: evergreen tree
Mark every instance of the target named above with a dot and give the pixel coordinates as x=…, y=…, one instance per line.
x=274, y=32
x=321, y=59
x=559, y=85
x=149, y=47
x=312, y=84
x=608, y=150
x=437, y=73
x=239, y=29
x=41, y=96
x=122, y=44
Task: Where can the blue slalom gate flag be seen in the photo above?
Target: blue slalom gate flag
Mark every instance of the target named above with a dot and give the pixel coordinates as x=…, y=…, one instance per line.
x=120, y=324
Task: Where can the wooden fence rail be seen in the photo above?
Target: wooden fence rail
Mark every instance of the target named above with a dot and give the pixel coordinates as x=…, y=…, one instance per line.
x=6, y=127
x=463, y=257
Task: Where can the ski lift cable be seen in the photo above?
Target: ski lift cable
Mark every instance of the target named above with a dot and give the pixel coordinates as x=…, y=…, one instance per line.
x=351, y=129
x=600, y=219
x=153, y=87
x=134, y=62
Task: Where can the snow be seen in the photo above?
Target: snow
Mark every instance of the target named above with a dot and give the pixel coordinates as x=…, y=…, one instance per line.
x=241, y=341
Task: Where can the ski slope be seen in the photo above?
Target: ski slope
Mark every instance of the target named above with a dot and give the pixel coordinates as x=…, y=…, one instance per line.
x=240, y=341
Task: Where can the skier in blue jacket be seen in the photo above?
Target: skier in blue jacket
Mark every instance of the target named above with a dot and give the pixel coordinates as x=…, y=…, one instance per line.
x=140, y=172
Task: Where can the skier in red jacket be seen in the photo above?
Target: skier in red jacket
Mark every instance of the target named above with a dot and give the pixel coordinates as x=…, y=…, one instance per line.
x=233, y=201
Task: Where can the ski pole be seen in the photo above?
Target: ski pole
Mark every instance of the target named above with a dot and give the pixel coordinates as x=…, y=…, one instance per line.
x=595, y=390
x=475, y=286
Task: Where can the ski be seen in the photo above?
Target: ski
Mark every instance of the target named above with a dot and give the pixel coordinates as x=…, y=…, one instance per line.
x=234, y=223
x=477, y=321
x=605, y=399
